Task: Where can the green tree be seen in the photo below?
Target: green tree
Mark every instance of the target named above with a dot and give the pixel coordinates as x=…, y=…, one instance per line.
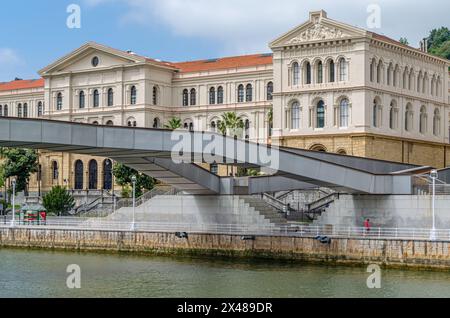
x=174, y=123
x=439, y=42
x=123, y=175
x=58, y=201
x=231, y=124
x=444, y=50
x=21, y=164
x=2, y=176
x=404, y=41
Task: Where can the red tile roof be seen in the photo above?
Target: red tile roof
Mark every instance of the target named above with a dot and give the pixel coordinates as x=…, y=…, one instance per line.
x=225, y=63
x=21, y=84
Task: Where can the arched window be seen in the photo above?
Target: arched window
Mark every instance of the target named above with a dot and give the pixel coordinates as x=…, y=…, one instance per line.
x=295, y=74
x=107, y=174
x=96, y=98
x=319, y=72
x=133, y=95
x=318, y=148
x=5, y=111
x=95, y=123
x=19, y=110
x=295, y=115
x=93, y=175
x=380, y=72
x=193, y=97
x=220, y=95
x=213, y=127
x=241, y=93
x=392, y=115
x=411, y=79
x=110, y=97
x=436, y=122
x=25, y=110
x=344, y=113
x=109, y=123
x=372, y=69
x=390, y=73
x=438, y=87
x=331, y=71
x=249, y=93
x=55, y=170
x=40, y=109
x=185, y=97
x=191, y=127
x=343, y=69
x=155, y=96
x=79, y=175
x=419, y=82
x=425, y=84
x=396, y=76
x=405, y=78
x=247, y=129
x=308, y=75
x=212, y=96
x=409, y=116
x=320, y=115
x=433, y=83
x=156, y=123
x=376, y=113
x=81, y=100
x=423, y=120
x=59, y=101
x=270, y=91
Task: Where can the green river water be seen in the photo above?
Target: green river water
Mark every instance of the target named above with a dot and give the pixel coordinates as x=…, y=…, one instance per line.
x=26, y=273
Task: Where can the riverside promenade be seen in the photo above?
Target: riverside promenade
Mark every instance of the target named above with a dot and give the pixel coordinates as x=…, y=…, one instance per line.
x=356, y=249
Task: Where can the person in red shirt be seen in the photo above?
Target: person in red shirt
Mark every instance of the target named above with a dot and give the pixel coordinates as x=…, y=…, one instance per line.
x=367, y=225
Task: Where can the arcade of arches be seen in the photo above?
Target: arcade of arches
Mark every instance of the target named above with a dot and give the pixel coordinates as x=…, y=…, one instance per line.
x=75, y=172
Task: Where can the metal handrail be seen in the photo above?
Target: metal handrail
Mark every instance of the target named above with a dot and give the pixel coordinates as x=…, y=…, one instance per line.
x=238, y=229
x=326, y=200
x=128, y=203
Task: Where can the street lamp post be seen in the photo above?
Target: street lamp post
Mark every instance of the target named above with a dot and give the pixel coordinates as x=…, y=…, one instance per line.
x=433, y=176
x=133, y=225
x=13, y=221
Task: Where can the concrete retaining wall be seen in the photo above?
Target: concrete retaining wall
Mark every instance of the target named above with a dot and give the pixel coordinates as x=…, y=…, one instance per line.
x=393, y=253
x=389, y=211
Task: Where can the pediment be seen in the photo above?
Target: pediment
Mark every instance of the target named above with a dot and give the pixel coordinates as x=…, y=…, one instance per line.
x=318, y=28
x=81, y=59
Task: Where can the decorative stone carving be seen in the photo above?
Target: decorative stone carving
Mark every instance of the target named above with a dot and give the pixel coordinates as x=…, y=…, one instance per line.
x=318, y=32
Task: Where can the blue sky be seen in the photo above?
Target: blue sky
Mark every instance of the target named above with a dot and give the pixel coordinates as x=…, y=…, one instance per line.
x=34, y=33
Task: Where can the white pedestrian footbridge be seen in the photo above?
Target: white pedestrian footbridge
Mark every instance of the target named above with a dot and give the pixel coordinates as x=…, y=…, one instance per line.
x=173, y=157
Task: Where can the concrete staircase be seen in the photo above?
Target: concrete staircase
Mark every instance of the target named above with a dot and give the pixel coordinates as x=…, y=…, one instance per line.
x=265, y=210
x=204, y=211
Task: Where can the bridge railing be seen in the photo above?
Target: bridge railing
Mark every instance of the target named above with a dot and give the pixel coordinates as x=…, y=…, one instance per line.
x=319, y=232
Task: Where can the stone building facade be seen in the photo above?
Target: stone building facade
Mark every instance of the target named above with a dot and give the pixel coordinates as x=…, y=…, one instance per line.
x=332, y=87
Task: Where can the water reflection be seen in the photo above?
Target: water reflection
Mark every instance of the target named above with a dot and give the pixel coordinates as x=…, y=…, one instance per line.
x=43, y=274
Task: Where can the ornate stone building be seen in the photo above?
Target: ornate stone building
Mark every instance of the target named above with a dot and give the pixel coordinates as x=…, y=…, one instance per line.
x=332, y=87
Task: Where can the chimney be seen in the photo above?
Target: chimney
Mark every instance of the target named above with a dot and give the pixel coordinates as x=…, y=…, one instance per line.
x=424, y=45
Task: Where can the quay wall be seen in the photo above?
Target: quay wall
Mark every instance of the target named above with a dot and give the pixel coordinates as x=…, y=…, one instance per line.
x=350, y=251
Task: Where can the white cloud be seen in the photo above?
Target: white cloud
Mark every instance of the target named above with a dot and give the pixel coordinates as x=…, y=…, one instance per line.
x=248, y=25
x=8, y=57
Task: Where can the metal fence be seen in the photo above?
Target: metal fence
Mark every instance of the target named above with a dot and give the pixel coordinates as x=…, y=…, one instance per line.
x=236, y=229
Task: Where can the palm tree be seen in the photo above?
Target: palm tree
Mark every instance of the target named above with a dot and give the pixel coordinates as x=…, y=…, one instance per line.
x=174, y=123
x=231, y=124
